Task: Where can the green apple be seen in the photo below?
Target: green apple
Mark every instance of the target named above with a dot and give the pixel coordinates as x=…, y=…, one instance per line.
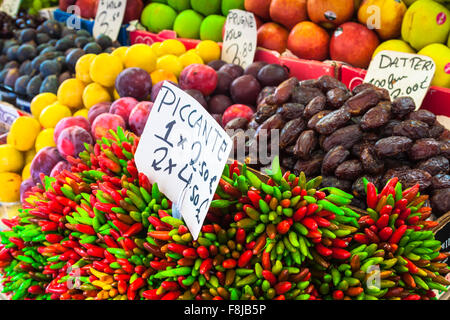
x=441, y=56
x=228, y=5
x=179, y=5
x=206, y=7
x=424, y=23
x=211, y=28
x=187, y=24
x=157, y=17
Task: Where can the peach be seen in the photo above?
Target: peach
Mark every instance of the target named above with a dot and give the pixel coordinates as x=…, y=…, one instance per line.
x=258, y=7
x=353, y=43
x=70, y=122
x=308, y=40
x=288, y=12
x=104, y=122
x=272, y=36
x=330, y=13
x=139, y=115
x=123, y=107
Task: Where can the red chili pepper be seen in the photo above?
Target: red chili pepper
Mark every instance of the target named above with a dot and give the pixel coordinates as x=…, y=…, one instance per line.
x=411, y=266
x=371, y=235
x=229, y=189
x=176, y=247
x=321, y=222
x=340, y=243
x=296, y=191
x=385, y=233
x=300, y=214
x=389, y=188
x=338, y=295
x=161, y=265
x=283, y=227
x=202, y=252
x=172, y=295
x=137, y=284
x=282, y=287
x=239, y=216
x=322, y=250
x=169, y=285
x=265, y=260
x=398, y=234
x=310, y=223
x=412, y=297
x=372, y=198
x=314, y=235
x=339, y=253
x=229, y=264
x=366, y=220
x=240, y=236
x=152, y=295
x=254, y=198
x=410, y=193
x=48, y=225
x=85, y=229
x=18, y=242
x=123, y=227
x=206, y=266
x=413, y=220
x=160, y=235
x=382, y=221
x=96, y=252
x=312, y=207
x=134, y=229
x=245, y=258
x=269, y=276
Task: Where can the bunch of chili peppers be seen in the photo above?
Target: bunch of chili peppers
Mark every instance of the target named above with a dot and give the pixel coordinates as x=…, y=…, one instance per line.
x=103, y=231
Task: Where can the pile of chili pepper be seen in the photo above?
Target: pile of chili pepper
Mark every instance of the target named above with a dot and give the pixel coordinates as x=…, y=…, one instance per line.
x=103, y=231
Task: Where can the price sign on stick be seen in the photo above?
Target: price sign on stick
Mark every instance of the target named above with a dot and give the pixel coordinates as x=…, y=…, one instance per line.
x=108, y=19
x=402, y=74
x=184, y=150
x=239, y=39
x=11, y=7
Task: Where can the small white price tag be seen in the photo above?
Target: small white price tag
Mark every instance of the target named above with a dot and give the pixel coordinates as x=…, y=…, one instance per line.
x=184, y=150
x=108, y=19
x=11, y=7
x=240, y=38
x=402, y=74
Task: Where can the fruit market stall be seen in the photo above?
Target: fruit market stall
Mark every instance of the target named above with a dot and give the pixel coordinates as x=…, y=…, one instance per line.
x=330, y=181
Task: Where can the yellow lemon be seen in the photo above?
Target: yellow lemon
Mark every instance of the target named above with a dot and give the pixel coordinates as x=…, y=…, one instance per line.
x=95, y=93
x=105, y=68
x=141, y=56
x=51, y=115
x=161, y=74
x=10, y=187
x=26, y=172
x=41, y=101
x=29, y=155
x=11, y=159
x=70, y=93
x=23, y=133
x=155, y=47
x=83, y=66
x=170, y=63
x=82, y=112
x=171, y=46
x=45, y=139
x=120, y=53
x=190, y=57
x=208, y=50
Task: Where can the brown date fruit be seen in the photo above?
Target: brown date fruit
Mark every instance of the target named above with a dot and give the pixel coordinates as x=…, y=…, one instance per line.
x=409, y=177
x=283, y=92
x=349, y=170
x=357, y=148
x=332, y=181
x=436, y=130
x=423, y=115
x=412, y=129
x=264, y=112
x=358, y=187
x=336, y=97
x=288, y=162
x=363, y=101
x=441, y=201
x=236, y=123
x=314, y=106
x=371, y=163
x=267, y=91
x=326, y=83
x=391, y=146
x=289, y=149
x=434, y=165
x=445, y=135
x=333, y=159
x=315, y=118
x=253, y=125
x=386, y=131
x=376, y=117
x=291, y=131
x=333, y=121
x=310, y=167
x=445, y=148
x=346, y=137
x=305, y=144
x=289, y=111
x=440, y=181
x=273, y=123
x=424, y=149
x=309, y=83
x=304, y=95
x=382, y=93
x=402, y=106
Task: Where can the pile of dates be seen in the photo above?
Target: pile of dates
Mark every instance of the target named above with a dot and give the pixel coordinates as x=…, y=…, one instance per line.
x=346, y=135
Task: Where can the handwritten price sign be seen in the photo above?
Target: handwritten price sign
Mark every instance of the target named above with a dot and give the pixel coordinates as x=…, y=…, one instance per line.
x=402, y=74
x=184, y=150
x=239, y=43
x=109, y=18
x=11, y=7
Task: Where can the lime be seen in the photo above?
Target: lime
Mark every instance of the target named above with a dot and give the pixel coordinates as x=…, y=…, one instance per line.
x=179, y=5
x=157, y=17
x=187, y=24
x=211, y=28
x=206, y=7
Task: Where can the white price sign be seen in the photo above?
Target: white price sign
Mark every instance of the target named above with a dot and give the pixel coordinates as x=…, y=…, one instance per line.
x=11, y=7
x=108, y=19
x=402, y=74
x=240, y=38
x=184, y=150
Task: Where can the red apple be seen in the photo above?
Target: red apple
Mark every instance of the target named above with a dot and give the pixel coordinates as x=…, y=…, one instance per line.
x=353, y=43
x=237, y=111
x=272, y=36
